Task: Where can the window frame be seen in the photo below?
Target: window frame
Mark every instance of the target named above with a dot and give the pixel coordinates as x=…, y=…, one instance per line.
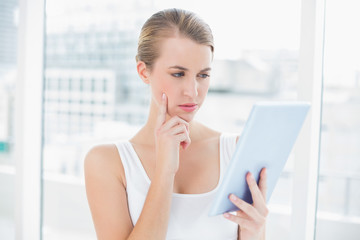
x=307, y=150
x=28, y=126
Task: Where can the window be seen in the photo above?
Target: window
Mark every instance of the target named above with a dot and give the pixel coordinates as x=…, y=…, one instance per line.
x=88, y=101
x=244, y=71
x=338, y=211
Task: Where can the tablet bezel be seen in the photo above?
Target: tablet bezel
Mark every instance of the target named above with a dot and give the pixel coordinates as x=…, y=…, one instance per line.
x=265, y=120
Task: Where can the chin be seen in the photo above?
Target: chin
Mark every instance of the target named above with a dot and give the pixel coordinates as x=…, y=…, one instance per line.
x=188, y=117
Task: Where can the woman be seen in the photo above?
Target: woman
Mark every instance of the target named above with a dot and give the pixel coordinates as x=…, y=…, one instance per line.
x=160, y=183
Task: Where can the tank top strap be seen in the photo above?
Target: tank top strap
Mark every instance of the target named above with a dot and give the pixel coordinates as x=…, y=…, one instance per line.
x=125, y=156
x=228, y=146
x=132, y=165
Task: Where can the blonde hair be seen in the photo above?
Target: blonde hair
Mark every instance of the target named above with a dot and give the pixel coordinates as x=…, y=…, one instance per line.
x=168, y=23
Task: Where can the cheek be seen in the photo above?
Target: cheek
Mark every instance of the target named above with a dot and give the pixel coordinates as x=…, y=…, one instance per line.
x=163, y=85
x=204, y=87
x=166, y=86
x=171, y=92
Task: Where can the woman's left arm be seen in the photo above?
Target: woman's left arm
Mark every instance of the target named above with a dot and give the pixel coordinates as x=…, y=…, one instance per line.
x=251, y=218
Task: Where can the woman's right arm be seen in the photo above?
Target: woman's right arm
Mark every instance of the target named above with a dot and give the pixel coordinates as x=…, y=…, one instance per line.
x=108, y=200
x=106, y=191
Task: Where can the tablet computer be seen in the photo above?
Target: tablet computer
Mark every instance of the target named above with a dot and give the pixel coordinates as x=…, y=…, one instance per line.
x=266, y=141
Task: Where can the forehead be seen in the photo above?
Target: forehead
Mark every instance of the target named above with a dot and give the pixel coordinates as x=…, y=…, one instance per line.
x=184, y=52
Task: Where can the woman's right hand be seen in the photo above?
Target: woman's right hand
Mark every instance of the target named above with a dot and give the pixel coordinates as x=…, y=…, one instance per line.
x=169, y=136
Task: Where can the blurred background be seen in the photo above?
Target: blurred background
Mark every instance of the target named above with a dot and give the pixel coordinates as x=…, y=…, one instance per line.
x=92, y=95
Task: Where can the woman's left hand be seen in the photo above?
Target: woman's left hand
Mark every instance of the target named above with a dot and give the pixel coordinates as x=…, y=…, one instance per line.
x=251, y=218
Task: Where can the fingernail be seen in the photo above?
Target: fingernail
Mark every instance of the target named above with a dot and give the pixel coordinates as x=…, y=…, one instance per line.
x=226, y=215
x=163, y=96
x=233, y=197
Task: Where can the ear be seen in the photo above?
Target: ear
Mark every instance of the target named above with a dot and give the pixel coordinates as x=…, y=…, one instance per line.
x=143, y=72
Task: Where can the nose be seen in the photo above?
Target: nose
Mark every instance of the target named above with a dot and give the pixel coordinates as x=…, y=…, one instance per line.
x=190, y=87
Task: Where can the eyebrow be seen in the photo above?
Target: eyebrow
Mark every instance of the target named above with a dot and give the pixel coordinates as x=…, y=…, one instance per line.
x=185, y=69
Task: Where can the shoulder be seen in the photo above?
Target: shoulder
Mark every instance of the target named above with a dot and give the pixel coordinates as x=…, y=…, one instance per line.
x=104, y=160
x=104, y=154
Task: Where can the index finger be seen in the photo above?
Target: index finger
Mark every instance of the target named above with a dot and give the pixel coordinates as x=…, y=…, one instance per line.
x=256, y=194
x=262, y=183
x=162, y=111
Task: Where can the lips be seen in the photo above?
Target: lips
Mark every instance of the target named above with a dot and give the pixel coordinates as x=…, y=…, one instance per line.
x=188, y=107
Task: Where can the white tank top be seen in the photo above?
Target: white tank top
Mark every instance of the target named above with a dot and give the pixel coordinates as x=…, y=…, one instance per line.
x=189, y=212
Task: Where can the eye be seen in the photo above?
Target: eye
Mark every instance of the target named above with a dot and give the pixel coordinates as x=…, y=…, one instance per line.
x=204, y=75
x=177, y=75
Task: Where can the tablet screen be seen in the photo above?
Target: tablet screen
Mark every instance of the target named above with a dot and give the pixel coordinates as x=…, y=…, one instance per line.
x=266, y=141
